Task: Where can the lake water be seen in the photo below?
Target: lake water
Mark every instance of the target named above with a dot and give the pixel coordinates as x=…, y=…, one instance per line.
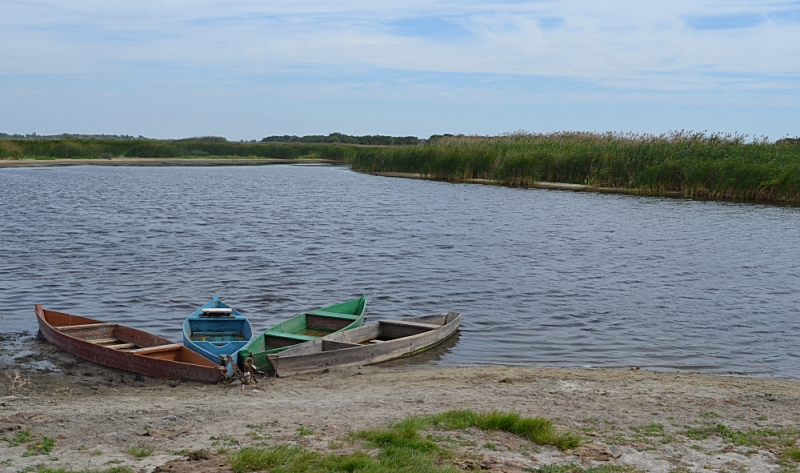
x=543, y=278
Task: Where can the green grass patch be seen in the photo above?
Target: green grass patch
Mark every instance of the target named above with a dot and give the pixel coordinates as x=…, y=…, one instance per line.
x=536, y=429
x=304, y=431
x=20, y=437
x=400, y=447
x=791, y=454
x=42, y=447
x=286, y=459
x=140, y=451
x=652, y=430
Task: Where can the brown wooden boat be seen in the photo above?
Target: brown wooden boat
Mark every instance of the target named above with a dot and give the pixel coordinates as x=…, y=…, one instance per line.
x=124, y=348
x=366, y=345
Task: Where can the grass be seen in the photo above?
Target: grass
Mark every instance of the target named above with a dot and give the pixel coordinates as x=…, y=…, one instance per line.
x=140, y=451
x=42, y=447
x=400, y=447
x=304, y=431
x=784, y=440
x=20, y=437
x=536, y=429
x=691, y=164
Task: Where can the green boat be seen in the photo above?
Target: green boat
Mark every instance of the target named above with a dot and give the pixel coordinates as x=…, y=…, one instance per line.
x=303, y=328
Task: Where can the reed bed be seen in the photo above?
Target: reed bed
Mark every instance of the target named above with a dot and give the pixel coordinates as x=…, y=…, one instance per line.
x=190, y=148
x=717, y=166
x=698, y=165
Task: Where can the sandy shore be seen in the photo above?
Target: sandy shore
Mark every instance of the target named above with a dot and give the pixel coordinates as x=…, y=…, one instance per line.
x=628, y=417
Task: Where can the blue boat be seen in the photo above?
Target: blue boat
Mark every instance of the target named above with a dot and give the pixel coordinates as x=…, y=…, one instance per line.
x=217, y=332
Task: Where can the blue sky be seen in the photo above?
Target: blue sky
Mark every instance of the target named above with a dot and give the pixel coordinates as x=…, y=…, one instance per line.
x=246, y=69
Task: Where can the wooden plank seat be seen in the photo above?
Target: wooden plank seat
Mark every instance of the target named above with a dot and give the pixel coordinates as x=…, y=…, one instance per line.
x=156, y=349
x=403, y=323
x=216, y=334
x=328, y=345
x=102, y=341
x=67, y=328
x=290, y=336
x=333, y=315
x=120, y=346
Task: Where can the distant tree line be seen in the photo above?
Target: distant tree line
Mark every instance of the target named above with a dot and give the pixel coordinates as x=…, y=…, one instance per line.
x=374, y=140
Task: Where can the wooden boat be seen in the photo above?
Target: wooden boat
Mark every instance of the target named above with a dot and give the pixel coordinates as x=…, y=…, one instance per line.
x=302, y=328
x=217, y=332
x=367, y=345
x=124, y=348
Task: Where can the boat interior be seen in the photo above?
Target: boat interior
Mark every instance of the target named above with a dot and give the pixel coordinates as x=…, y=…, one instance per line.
x=218, y=332
x=318, y=323
x=123, y=339
x=385, y=331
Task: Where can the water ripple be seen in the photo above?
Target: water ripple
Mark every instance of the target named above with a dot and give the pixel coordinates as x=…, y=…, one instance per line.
x=544, y=278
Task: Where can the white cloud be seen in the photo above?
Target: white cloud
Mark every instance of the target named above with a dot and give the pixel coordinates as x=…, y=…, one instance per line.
x=646, y=51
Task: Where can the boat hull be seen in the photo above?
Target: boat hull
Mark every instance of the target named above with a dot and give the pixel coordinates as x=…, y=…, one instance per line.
x=177, y=363
x=302, y=328
x=394, y=339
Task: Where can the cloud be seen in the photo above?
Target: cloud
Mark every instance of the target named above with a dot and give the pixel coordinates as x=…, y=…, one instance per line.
x=477, y=51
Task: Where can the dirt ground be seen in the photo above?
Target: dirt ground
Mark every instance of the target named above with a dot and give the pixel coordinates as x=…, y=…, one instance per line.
x=99, y=416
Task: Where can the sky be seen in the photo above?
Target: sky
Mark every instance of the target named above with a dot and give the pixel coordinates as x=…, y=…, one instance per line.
x=249, y=69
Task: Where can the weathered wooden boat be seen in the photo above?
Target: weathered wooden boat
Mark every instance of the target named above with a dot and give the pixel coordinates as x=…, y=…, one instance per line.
x=366, y=345
x=125, y=348
x=303, y=328
x=217, y=331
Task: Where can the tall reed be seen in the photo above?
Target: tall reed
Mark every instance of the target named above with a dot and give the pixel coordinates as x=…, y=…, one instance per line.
x=694, y=164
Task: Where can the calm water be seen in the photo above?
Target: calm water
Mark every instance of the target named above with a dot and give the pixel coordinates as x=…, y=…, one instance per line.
x=544, y=278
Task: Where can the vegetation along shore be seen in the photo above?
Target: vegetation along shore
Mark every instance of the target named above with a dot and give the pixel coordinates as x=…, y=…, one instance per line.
x=687, y=164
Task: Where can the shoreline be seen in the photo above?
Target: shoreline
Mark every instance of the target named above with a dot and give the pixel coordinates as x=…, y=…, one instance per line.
x=536, y=185
x=625, y=417
x=188, y=161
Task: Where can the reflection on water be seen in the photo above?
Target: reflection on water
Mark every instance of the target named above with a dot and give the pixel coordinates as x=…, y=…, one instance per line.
x=434, y=354
x=544, y=278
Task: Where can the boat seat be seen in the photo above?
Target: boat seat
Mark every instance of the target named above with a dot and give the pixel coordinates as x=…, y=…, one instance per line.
x=333, y=315
x=291, y=336
x=403, y=323
x=217, y=334
x=67, y=328
x=156, y=349
x=121, y=346
x=102, y=341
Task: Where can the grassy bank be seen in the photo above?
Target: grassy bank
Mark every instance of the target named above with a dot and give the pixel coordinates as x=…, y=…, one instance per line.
x=689, y=164
x=144, y=148
x=696, y=165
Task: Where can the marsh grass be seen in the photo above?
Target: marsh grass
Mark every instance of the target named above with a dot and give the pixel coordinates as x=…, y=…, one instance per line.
x=692, y=164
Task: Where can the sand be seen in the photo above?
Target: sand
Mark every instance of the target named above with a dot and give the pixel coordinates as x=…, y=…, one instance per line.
x=96, y=414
